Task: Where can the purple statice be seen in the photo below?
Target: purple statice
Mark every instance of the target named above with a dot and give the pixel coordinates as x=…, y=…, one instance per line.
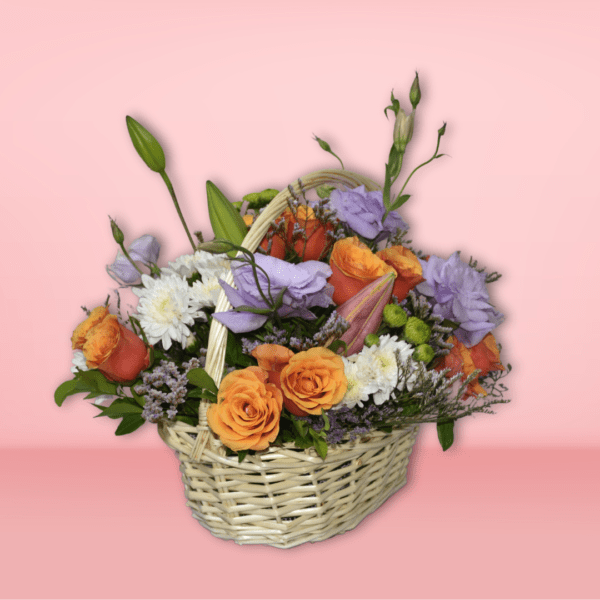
x=334, y=328
x=458, y=293
x=303, y=286
x=166, y=376
x=278, y=336
x=349, y=423
x=363, y=213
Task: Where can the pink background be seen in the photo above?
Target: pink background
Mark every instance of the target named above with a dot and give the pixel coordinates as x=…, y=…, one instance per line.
x=234, y=94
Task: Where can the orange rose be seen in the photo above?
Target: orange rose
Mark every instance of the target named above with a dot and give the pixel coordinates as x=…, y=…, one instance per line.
x=406, y=265
x=313, y=380
x=110, y=347
x=248, y=410
x=272, y=358
x=277, y=244
x=311, y=242
x=353, y=267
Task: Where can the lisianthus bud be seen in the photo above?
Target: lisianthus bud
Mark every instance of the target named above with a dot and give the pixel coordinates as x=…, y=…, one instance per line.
x=403, y=129
x=394, y=315
x=442, y=130
x=371, y=340
x=415, y=92
x=424, y=353
x=117, y=233
x=192, y=344
x=416, y=331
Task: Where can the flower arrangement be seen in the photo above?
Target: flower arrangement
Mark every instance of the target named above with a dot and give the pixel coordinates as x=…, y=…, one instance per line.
x=336, y=327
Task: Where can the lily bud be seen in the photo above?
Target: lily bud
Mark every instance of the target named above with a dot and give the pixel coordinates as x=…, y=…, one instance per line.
x=364, y=311
x=403, y=129
x=226, y=221
x=415, y=92
x=146, y=145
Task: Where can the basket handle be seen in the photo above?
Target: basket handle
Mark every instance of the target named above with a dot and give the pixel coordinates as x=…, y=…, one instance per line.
x=217, y=339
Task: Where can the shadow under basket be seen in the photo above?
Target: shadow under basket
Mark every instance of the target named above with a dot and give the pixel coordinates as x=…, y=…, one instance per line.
x=286, y=496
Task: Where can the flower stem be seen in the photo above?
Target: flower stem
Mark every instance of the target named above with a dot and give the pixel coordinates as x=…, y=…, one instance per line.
x=435, y=155
x=129, y=258
x=167, y=181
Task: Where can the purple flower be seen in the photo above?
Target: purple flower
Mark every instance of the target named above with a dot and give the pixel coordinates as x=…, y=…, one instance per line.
x=363, y=212
x=306, y=286
x=460, y=295
x=144, y=249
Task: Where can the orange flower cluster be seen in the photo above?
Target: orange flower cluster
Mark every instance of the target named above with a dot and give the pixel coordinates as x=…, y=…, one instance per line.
x=310, y=244
x=110, y=347
x=484, y=356
x=354, y=266
x=249, y=402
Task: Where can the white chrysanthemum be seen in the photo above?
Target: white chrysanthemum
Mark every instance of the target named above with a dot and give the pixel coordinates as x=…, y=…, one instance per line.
x=205, y=263
x=360, y=383
x=79, y=362
x=167, y=306
x=206, y=292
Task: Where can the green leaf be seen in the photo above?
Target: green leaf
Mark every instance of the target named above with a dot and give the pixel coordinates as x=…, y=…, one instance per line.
x=226, y=221
x=301, y=427
x=303, y=443
x=325, y=420
x=242, y=455
x=68, y=388
x=141, y=400
x=129, y=424
x=395, y=106
x=199, y=377
x=398, y=202
x=234, y=357
x=336, y=345
x=445, y=432
x=146, y=145
x=200, y=393
x=320, y=445
x=96, y=382
x=119, y=409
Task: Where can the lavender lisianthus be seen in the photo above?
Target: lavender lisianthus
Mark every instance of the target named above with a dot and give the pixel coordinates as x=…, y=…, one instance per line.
x=363, y=212
x=306, y=287
x=459, y=294
x=144, y=249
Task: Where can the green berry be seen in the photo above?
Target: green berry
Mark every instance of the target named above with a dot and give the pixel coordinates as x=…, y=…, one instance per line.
x=424, y=353
x=371, y=340
x=416, y=332
x=394, y=315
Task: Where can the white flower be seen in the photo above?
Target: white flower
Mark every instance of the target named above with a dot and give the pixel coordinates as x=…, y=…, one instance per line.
x=79, y=362
x=205, y=263
x=360, y=383
x=206, y=292
x=167, y=306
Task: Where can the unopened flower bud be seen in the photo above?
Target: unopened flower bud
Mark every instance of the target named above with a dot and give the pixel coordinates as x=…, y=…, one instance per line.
x=415, y=92
x=424, y=353
x=416, y=331
x=442, y=130
x=146, y=145
x=371, y=340
x=192, y=345
x=394, y=315
x=403, y=129
x=117, y=233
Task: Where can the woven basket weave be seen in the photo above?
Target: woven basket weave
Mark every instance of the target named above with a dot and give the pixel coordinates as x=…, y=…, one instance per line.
x=284, y=496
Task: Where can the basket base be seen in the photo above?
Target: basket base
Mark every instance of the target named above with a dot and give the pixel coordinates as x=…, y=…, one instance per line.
x=286, y=497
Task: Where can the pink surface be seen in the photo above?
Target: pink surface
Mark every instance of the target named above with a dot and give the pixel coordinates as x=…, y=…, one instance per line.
x=491, y=523
x=235, y=92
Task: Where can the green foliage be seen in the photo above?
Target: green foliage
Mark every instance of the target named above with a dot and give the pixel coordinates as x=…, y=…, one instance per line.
x=200, y=378
x=445, y=431
x=92, y=382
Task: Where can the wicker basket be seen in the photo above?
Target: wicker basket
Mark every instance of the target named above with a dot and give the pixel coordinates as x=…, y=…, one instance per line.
x=284, y=496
